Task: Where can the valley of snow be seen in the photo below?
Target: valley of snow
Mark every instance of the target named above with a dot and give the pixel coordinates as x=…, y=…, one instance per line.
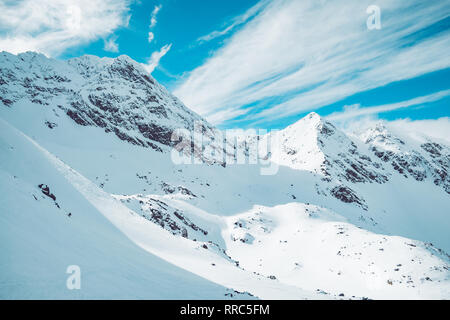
x=86, y=178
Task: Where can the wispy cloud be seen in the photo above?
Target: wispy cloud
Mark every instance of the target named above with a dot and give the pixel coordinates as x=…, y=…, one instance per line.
x=52, y=26
x=306, y=54
x=151, y=36
x=355, y=111
x=433, y=128
x=153, y=20
x=156, y=56
x=436, y=129
x=111, y=44
x=235, y=22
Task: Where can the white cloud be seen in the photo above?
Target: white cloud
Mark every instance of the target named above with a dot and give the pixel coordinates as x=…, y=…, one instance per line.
x=356, y=111
x=306, y=54
x=153, y=16
x=436, y=129
x=226, y=114
x=433, y=128
x=237, y=21
x=356, y=119
x=156, y=56
x=52, y=26
x=151, y=36
x=111, y=44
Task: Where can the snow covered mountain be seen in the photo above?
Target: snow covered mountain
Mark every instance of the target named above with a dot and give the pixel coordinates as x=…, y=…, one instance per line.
x=316, y=145
x=87, y=179
x=419, y=158
x=117, y=95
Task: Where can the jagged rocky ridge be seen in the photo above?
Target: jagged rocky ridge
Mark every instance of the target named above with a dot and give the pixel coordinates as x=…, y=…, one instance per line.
x=117, y=95
x=320, y=164
x=344, y=161
x=430, y=161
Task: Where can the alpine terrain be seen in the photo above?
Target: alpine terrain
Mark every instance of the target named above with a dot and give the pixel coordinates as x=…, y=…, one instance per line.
x=102, y=168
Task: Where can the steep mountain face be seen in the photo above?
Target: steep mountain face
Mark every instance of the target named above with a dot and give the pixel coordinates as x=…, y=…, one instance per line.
x=86, y=164
x=317, y=145
x=117, y=95
x=48, y=226
x=373, y=156
x=419, y=160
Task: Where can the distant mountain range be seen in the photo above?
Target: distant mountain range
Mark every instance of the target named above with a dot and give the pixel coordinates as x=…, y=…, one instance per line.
x=87, y=178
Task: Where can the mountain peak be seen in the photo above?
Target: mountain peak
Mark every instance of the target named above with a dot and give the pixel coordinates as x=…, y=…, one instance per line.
x=25, y=58
x=321, y=126
x=311, y=120
x=126, y=60
x=114, y=94
x=90, y=61
x=28, y=55
x=313, y=116
x=381, y=135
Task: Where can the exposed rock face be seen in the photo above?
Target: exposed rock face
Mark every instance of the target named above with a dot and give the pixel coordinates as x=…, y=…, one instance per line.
x=317, y=145
x=347, y=195
x=344, y=160
x=120, y=97
x=341, y=216
x=164, y=215
x=117, y=95
x=429, y=160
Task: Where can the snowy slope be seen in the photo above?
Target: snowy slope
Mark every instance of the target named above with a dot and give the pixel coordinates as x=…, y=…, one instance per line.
x=39, y=240
x=79, y=200
x=99, y=129
x=377, y=171
x=321, y=251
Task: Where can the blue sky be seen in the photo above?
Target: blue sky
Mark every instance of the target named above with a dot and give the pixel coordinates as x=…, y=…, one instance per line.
x=266, y=64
